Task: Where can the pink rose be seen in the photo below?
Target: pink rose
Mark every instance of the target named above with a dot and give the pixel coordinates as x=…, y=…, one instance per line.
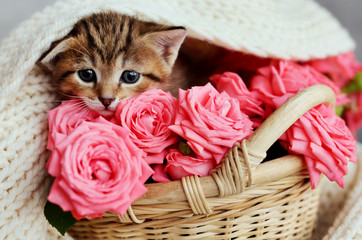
x=353, y=113
x=148, y=116
x=233, y=85
x=341, y=68
x=282, y=77
x=100, y=169
x=325, y=141
x=62, y=121
x=179, y=165
x=210, y=121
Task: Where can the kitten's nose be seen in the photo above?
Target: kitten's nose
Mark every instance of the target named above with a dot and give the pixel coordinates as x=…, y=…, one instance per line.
x=106, y=101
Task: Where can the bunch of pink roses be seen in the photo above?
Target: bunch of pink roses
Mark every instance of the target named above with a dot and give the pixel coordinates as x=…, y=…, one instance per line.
x=319, y=135
x=102, y=164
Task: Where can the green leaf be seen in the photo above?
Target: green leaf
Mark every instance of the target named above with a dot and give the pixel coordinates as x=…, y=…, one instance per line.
x=339, y=110
x=184, y=148
x=355, y=85
x=59, y=219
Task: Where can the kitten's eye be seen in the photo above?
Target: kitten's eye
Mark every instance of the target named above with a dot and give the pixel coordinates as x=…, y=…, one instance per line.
x=87, y=75
x=130, y=77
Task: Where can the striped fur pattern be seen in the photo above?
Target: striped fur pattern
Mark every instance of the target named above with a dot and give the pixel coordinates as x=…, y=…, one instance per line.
x=96, y=60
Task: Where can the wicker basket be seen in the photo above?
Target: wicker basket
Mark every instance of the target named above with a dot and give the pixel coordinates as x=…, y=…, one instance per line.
x=240, y=199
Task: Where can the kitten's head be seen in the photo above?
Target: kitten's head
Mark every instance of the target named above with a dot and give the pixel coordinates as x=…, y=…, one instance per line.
x=108, y=57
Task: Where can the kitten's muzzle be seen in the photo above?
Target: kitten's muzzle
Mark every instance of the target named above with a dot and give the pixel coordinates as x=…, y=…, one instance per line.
x=106, y=101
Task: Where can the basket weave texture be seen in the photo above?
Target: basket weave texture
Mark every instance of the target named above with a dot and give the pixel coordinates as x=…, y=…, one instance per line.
x=240, y=199
x=284, y=209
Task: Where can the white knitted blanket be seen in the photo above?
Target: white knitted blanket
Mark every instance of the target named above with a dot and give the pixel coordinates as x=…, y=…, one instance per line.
x=290, y=29
x=348, y=223
x=340, y=212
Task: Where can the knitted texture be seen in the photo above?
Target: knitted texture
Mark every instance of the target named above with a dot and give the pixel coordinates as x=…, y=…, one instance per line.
x=290, y=29
x=22, y=157
x=333, y=198
x=348, y=223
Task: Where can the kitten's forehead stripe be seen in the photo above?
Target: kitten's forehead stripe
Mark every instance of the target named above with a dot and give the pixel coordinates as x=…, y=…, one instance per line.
x=130, y=31
x=109, y=46
x=124, y=34
x=97, y=29
x=96, y=33
x=121, y=25
x=90, y=38
x=118, y=46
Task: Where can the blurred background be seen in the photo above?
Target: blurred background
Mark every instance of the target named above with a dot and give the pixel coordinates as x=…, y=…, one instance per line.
x=13, y=12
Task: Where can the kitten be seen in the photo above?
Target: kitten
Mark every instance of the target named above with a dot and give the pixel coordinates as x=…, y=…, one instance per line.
x=108, y=57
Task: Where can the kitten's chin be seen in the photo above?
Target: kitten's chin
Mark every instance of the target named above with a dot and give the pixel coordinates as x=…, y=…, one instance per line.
x=106, y=113
x=99, y=108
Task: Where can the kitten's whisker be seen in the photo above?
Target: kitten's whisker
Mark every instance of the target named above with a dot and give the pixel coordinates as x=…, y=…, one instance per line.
x=86, y=111
x=67, y=95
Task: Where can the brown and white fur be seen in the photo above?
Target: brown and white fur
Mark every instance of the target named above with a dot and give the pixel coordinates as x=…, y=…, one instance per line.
x=112, y=45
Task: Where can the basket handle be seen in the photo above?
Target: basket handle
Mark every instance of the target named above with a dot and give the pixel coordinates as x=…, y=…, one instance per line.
x=285, y=116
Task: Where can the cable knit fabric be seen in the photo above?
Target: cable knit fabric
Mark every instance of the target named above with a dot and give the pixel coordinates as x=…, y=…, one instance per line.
x=334, y=199
x=347, y=224
x=289, y=29
x=23, y=181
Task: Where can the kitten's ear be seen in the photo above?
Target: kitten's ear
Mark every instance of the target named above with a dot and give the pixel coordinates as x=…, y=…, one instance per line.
x=167, y=42
x=56, y=48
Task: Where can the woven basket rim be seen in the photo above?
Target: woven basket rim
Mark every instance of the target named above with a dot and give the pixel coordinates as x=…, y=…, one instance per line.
x=278, y=209
x=272, y=170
